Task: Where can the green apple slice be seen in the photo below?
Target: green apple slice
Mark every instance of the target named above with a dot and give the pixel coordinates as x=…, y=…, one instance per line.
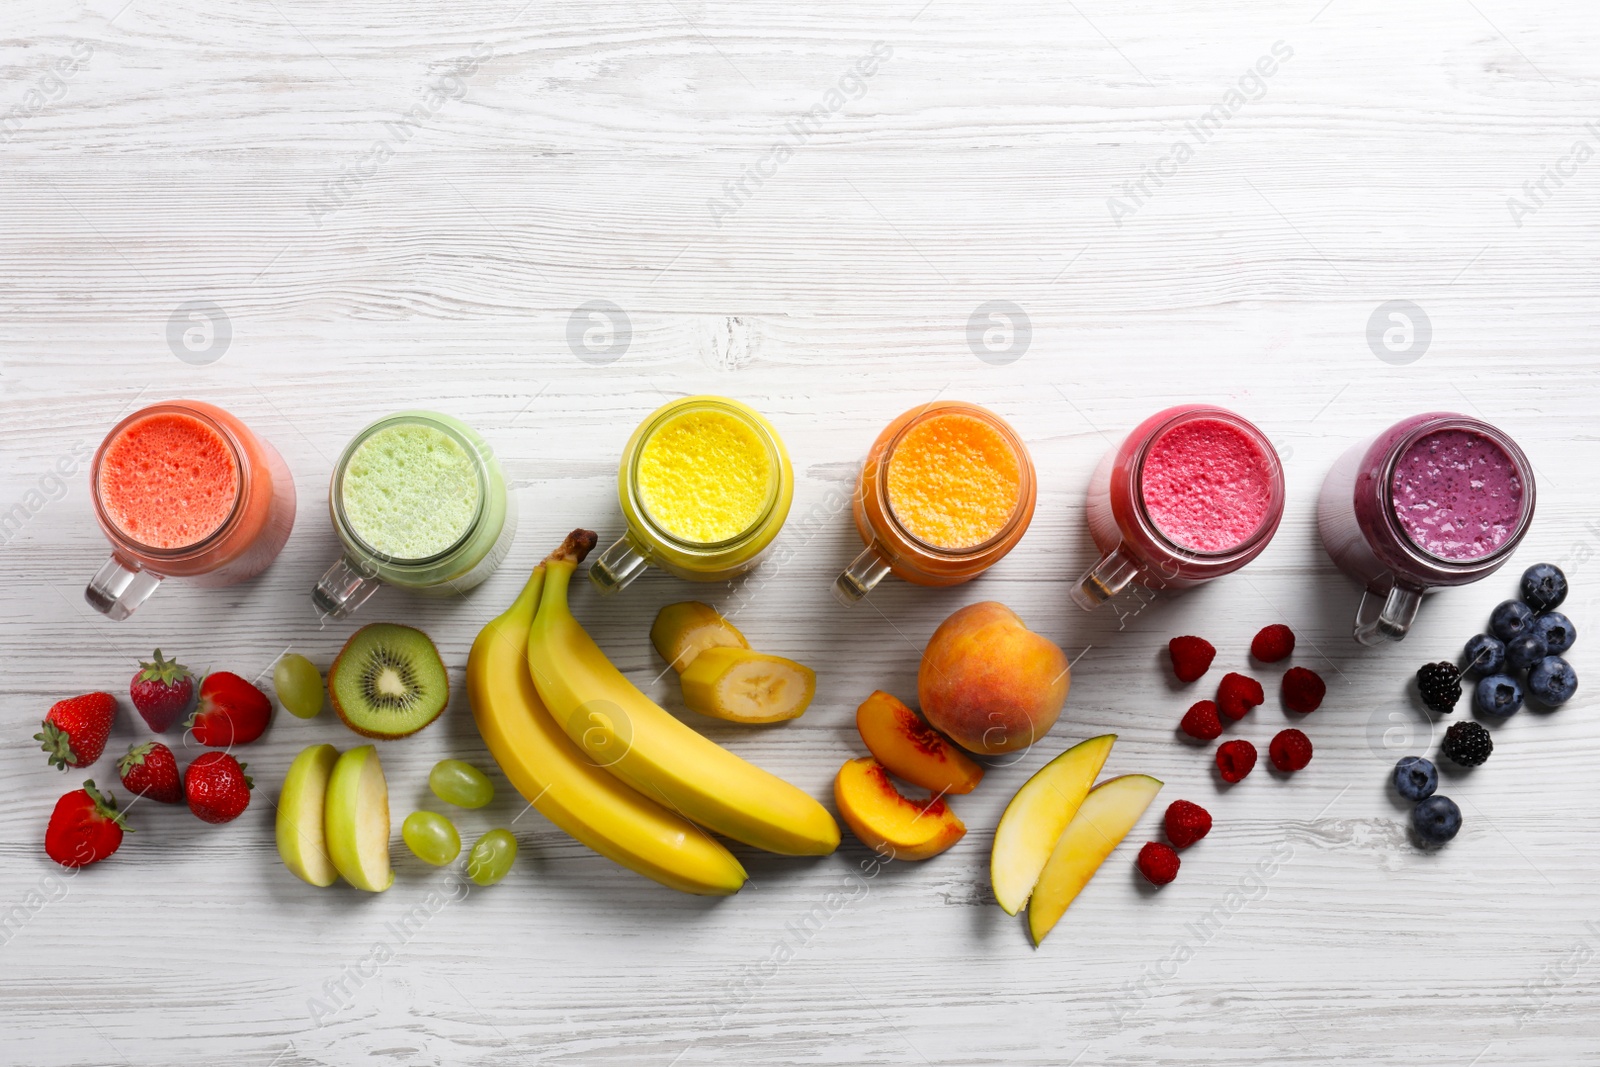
x=1104, y=818
x=1034, y=820
x=302, y=843
x=356, y=820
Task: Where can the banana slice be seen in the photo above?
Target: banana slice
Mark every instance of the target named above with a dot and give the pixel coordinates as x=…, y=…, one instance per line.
x=683, y=631
x=739, y=685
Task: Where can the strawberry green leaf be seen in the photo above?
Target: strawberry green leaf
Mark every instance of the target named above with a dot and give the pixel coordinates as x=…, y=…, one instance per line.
x=57, y=744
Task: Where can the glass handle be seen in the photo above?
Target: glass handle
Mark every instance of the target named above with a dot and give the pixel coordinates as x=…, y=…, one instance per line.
x=343, y=588
x=1105, y=579
x=117, y=589
x=858, y=579
x=1393, y=621
x=618, y=565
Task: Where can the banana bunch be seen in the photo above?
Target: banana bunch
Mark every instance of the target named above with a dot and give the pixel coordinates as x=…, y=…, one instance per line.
x=568, y=788
x=608, y=765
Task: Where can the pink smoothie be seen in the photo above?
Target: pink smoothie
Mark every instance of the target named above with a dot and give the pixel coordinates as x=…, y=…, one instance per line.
x=168, y=480
x=1458, y=496
x=1206, y=485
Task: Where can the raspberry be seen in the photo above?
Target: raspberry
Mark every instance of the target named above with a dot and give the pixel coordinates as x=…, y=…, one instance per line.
x=1235, y=759
x=1237, y=694
x=1303, y=690
x=1290, y=750
x=1201, y=723
x=1186, y=823
x=1191, y=657
x=1273, y=643
x=1158, y=863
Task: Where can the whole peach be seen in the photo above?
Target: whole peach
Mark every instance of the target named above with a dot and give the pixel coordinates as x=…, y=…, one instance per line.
x=989, y=683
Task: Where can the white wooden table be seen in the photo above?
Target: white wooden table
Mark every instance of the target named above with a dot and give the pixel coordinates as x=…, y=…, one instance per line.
x=399, y=204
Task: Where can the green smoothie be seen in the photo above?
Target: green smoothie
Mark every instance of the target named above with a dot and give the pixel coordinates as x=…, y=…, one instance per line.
x=410, y=491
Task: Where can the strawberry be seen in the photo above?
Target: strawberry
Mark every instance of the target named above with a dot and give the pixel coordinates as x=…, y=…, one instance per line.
x=1191, y=657
x=161, y=691
x=151, y=771
x=1186, y=822
x=231, y=712
x=1158, y=863
x=216, y=787
x=85, y=828
x=74, y=732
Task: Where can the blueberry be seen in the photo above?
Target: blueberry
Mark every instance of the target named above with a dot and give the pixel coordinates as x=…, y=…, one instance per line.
x=1524, y=652
x=1485, y=655
x=1415, y=778
x=1436, y=820
x=1552, y=681
x=1511, y=620
x=1544, y=586
x=1557, y=630
x=1498, y=694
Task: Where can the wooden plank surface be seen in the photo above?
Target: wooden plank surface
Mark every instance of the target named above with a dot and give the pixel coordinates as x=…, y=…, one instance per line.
x=401, y=204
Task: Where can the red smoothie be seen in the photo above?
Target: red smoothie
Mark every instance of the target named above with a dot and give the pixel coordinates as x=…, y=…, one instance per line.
x=1457, y=494
x=1206, y=485
x=168, y=480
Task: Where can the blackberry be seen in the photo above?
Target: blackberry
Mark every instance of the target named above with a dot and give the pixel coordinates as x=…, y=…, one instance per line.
x=1440, y=684
x=1467, y=743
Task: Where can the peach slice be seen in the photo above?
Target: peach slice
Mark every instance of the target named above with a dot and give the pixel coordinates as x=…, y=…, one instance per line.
x=1036, y=817
x=899, y=739
x=888, y=823
x=1103, y=820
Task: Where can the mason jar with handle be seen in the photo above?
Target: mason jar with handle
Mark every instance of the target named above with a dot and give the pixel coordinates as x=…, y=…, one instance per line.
x=705, y=485
x=1439, y=499
x=947, y=490
x=419, y=502
x=1193, y=493
x=185, y=490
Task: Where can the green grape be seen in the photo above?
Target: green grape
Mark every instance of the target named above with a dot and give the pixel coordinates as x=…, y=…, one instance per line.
x=298, y=685
x=491, y=858
x=461, y=784
x=432, y=837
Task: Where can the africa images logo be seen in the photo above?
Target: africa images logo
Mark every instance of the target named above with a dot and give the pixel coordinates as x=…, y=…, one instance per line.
x=1251, y=87
x=851, y=85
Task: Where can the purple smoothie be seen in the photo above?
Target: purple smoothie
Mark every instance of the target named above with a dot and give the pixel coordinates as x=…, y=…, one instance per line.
x=1457, y=495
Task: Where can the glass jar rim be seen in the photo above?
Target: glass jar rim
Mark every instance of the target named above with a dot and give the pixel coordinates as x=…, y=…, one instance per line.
x=416, y=418
x=1501, y=440
x=235, y=450
x=1013, y=441
x=1263, y=529
x=746, y=417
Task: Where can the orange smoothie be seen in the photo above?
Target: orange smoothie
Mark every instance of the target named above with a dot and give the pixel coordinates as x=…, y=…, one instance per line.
x=168, y=480
x=954, y=481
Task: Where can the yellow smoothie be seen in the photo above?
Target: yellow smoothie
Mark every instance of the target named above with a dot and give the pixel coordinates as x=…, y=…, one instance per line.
x=704, y=476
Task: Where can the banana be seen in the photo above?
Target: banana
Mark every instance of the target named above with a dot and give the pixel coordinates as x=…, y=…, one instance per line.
x=566, y=787
x=632, y=737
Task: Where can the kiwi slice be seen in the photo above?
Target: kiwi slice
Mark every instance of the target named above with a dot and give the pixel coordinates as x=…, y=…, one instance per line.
x=388, y=681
